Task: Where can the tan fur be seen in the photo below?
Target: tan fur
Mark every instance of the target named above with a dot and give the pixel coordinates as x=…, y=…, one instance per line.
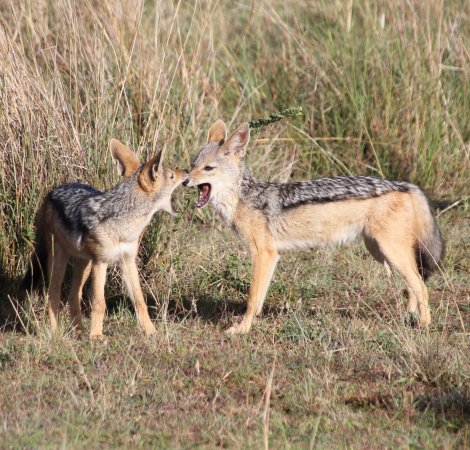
x=217, y=132
x=148, y=179
x=393, y=225
x=124, y=158
x=254, y=231
x=390, y=228
x=108, y=243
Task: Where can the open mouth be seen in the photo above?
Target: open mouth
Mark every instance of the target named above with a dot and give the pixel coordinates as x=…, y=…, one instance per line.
x=204, y=194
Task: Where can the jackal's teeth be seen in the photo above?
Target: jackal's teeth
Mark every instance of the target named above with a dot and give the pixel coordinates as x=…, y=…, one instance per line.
x=204, y=194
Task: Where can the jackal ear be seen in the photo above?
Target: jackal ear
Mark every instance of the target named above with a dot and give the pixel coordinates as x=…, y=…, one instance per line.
x=217, y=132
x=237, y=141
x=155, y=166
x=127, y=163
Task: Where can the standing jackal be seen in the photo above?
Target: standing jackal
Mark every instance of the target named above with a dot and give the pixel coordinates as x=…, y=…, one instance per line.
x=92, y=229
x=393, y=218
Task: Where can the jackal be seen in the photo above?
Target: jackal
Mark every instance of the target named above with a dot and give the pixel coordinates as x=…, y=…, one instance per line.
x=394, y=218
x=91, y=229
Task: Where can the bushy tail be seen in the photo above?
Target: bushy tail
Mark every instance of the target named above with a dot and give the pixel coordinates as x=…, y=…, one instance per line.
x=36, y=275
x=430, y=247
x=37, y=270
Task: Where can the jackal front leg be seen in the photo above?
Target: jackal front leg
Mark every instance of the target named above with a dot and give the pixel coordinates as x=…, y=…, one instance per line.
x=98, y=307
x=130, y=275
x=264, y=263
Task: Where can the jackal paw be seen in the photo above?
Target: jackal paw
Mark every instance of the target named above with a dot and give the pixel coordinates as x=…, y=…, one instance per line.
x=97, y=337
x=424, y=320
x=150, y=331
x=240, y=328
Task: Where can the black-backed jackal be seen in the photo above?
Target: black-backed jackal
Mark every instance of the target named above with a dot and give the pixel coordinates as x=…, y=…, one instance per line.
x=91, y=229
x=393, y=218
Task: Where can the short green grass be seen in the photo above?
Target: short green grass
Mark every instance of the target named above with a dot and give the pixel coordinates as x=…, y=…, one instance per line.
x=348, y=371
x=334, y=361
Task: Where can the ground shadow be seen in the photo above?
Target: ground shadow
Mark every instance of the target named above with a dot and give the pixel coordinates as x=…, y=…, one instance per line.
x=450, y=408
x=213, y=310
x=204, y=307
x=13, y=301
x=10, y=301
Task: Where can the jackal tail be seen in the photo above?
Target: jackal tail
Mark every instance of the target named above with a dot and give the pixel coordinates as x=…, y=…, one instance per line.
x=430, y=245
x=36, y=275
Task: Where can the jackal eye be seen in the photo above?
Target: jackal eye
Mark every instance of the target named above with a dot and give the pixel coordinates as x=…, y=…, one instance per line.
x=209, y=168
x=172, y=175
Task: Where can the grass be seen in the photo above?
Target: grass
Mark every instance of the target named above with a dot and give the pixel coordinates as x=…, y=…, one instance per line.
x=385, y=89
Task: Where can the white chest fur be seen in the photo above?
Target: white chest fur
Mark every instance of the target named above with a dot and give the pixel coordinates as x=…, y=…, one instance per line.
x=121, y=250
x=225, y=203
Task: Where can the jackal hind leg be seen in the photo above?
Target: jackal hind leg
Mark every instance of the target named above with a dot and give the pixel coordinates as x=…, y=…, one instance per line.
x=374, y=249
x=98, y=307
x=130, y=275
x=402, y=260
x=57, y=262
x=264, y=263
x=81, y=272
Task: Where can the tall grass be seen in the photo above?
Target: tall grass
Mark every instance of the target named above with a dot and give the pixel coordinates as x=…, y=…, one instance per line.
x=385, y=87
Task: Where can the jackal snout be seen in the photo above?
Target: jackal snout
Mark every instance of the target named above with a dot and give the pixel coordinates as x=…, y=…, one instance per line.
x=216, y=168
x=175, y=177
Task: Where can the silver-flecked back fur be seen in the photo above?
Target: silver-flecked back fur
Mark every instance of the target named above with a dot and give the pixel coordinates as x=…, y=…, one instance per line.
x=273, y=198
x=82, y=207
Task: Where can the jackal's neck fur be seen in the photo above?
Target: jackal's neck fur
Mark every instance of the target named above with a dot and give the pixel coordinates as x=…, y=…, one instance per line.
x=226, y=201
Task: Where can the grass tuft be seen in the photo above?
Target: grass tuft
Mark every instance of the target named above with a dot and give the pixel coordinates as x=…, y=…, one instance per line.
x=384, y=89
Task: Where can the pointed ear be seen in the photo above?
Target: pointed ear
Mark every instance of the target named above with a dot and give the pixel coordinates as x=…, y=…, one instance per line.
x=155, y=166
x=217, y=132
x=127, y=163
x=237, y=141
x=151, y=171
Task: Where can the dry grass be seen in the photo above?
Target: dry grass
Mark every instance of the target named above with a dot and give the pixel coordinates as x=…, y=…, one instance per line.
x=386, y=90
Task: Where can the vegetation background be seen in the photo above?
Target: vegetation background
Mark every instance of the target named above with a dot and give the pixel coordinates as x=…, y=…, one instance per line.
x=385, y=86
